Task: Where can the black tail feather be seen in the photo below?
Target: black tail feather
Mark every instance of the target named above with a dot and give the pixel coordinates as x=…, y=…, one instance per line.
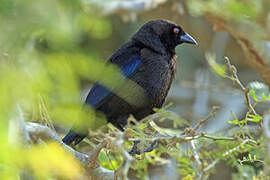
x=73, y=137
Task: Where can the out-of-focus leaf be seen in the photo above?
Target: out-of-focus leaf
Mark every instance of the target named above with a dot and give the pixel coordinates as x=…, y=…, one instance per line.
x=96, y=28
x=233, y=121
x=109, y=161
x=217, y=68
x=259, y=91
x=51, y=161
x=253, y=94
x=232, y=9
x=254, y=118
x=265, y=97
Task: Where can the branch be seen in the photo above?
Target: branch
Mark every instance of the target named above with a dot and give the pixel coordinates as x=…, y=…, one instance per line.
x=188, y=136
x=183, y=138
x=211, y=115
x=95, y=171
x=253, y=57
x=192, y=132
x=246, y=141
x=236, y=81
x=43, y=132
x=198, y=164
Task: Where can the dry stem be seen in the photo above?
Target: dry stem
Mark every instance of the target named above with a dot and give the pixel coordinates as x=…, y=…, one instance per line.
x=236, y=81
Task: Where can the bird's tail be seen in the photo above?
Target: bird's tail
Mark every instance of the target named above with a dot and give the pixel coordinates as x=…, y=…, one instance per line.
x=73, y=136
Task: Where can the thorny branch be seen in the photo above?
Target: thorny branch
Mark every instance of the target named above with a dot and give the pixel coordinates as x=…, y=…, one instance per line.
x=189, y=133
x=115, y=142
x=89, y=161
x=236, y=81
x=183, y=138
x=246, y=141
x=192, y=132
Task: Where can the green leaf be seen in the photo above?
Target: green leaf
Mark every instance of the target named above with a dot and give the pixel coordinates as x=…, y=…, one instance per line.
x=265, y=97
x=258, y=86
x=253, y=94
x=233, y=121
x=254, y=118
x=217, y=68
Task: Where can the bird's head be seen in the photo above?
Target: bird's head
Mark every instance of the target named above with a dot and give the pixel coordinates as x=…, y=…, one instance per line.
x=162, y=36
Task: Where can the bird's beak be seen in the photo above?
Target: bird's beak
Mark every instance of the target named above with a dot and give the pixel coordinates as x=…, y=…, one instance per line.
x=186, y=38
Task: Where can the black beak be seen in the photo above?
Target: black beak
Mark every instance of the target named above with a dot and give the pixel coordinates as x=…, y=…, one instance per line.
x=186, y=38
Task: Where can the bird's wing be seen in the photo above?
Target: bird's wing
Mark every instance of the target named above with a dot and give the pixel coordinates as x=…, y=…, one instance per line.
x=98, y=93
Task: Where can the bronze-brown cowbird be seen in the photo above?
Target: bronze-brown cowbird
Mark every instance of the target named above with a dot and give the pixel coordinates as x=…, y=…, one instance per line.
x=148, y=59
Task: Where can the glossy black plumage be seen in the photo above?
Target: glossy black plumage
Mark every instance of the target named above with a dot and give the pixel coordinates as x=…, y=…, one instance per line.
x=148, y=60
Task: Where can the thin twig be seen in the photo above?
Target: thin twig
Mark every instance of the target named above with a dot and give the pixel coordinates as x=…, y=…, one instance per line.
x=192, y=132
x=211, y=115
x=210, y=166
x=198, y=163
x=236, y=81
x=180, y=138
x=122, y=172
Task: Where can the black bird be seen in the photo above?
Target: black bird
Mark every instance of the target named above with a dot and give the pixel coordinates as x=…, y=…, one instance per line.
x=148, y=60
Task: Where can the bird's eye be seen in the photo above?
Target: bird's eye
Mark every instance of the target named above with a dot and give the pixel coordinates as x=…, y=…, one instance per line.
x=176, y=30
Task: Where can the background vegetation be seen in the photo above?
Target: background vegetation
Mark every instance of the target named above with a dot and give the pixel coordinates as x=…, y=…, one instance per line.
x=215, y=124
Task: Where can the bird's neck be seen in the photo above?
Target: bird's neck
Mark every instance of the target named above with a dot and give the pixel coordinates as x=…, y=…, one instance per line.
x=170, y=49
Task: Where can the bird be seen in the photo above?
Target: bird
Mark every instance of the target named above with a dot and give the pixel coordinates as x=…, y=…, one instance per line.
x=148, y=61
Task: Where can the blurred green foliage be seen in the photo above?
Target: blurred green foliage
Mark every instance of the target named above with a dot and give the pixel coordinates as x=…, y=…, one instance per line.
x=41, y=58
x=232, y=9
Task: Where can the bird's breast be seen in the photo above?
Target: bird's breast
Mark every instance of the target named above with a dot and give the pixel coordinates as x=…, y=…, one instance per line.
x=157, y=76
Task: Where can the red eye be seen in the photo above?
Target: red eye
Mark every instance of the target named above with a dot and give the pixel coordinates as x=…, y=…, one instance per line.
x=176, y=30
